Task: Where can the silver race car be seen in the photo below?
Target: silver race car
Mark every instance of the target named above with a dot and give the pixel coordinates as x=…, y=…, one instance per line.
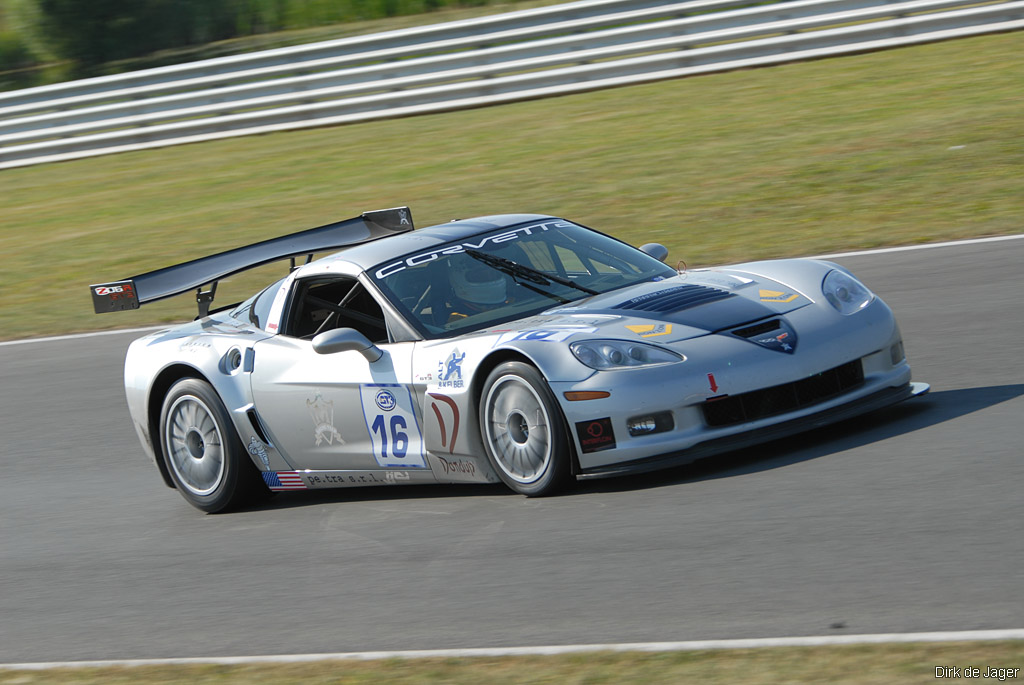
x=517, y=348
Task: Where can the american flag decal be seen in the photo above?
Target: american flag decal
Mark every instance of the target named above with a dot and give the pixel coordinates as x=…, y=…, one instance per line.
x=283, y=480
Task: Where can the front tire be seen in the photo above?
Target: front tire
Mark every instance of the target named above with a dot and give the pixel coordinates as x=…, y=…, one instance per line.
x=523, y=431
x=202, y=451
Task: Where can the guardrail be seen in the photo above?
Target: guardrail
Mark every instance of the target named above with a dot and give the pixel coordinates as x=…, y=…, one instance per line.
x=504, y=58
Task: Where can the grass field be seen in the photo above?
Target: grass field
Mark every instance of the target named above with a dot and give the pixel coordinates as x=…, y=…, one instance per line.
x=898, y=147
x=903, y=664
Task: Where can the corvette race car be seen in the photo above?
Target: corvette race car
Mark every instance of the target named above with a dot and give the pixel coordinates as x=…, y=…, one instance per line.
x=519, y=348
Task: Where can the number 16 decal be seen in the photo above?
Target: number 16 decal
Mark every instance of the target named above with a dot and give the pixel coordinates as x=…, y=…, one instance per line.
x=394, y=431
x=399, y=439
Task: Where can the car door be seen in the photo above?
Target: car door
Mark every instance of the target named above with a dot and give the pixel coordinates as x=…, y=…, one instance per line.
x=344, y=410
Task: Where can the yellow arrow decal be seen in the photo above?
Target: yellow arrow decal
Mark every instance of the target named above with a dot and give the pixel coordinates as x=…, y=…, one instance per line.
x=776, y=296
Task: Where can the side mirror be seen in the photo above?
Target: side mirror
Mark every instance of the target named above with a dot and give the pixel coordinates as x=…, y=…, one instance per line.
x=344, y=340
x=656, y=250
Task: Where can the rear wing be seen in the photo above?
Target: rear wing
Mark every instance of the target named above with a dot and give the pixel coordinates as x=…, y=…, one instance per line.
x=131, y=293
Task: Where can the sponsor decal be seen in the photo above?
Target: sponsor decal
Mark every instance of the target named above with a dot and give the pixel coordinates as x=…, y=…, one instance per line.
x=446, y=439
x=283, y=480
x=784, y=340
x=778, y=341
x=424, y=257
x=327, y=479
x=322, y=413
x=110, y=297
x=449, y=371
x=113, y=290
x=554, y=334
x=776, y=296
x=257, y=449
x=596, y=435
x=385, y=400
x=193, y=346
x=712, y=383
x=394, y=432
x=403, y=218
x=651, y=330
x=458, y=466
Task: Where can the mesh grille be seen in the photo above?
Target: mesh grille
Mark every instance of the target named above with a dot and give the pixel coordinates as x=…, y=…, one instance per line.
x=779, y=399
x=675, y=299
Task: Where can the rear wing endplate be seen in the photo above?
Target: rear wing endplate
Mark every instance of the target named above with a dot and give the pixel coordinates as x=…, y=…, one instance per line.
x=131, y=293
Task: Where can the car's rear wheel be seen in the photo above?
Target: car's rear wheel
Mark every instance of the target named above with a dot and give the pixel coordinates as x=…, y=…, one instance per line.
x=523, y=431
x=202, y=451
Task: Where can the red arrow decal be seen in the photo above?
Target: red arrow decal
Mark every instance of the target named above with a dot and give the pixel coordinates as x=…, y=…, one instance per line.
x=711, y=380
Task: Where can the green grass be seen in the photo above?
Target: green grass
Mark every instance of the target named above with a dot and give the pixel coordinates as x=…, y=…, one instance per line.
x=849, y=665
x=898, y=147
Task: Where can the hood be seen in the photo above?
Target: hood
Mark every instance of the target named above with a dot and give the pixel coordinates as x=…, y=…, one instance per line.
x=690, y=305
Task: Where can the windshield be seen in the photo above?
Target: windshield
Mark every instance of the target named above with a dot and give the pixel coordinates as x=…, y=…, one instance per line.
x=508, y=274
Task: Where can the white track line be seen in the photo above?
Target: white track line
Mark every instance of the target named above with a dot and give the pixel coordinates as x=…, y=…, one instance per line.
x=925, y=246
x=692, y=645
x=75, y=336
x=882, y=250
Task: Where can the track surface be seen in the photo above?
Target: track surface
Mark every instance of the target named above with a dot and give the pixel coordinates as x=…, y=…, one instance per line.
x=905, y=521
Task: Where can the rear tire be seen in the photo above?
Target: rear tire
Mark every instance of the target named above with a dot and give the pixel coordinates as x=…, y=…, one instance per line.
x=523, y=430
x=202, y=451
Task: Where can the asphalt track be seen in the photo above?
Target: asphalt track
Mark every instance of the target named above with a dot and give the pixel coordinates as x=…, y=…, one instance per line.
x=904, y=521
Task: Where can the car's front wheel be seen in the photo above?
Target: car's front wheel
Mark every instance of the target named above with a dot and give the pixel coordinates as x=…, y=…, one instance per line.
x=522, y=430
x=202, y=451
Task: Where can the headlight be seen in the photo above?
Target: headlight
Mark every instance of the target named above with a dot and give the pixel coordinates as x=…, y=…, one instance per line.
x=845, y=293
x=620, y=354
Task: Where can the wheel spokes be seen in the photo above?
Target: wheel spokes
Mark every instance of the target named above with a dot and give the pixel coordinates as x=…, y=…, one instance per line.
x=195, y=445
x=517, y=429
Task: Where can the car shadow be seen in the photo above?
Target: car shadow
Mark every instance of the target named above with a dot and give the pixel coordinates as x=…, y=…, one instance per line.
x=916, y=414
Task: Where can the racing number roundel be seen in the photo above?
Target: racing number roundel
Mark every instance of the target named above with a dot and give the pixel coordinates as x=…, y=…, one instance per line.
x=394, y=432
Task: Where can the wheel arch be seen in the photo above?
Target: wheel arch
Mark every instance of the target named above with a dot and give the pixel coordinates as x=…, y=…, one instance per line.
x=498, y=357
x=157, y=392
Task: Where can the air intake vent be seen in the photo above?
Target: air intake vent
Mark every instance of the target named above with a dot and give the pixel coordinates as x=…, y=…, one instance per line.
x=675, y=299
x=759, y=404
x=757, y=329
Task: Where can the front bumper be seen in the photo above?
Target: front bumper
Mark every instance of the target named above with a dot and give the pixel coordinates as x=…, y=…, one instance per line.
x=876, y=400
x=723, y=368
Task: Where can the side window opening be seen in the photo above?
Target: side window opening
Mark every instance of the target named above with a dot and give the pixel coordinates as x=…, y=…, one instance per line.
x=322, y=304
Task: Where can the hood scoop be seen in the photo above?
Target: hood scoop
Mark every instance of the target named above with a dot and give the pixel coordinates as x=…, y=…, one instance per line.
x=775, y=335
x=674, y=299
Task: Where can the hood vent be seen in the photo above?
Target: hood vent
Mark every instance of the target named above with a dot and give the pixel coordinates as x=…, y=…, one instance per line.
x=775, y=334
x=757, y=329
x=675, y=299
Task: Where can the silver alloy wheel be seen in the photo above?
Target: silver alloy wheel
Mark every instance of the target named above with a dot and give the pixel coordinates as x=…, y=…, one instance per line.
x=518, y=429
x=194, y=445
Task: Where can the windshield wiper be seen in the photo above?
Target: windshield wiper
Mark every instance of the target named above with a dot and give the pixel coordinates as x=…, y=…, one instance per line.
x=517, y=270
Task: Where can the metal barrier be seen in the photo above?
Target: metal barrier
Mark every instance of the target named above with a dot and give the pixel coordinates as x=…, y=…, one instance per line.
x=523, y=55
